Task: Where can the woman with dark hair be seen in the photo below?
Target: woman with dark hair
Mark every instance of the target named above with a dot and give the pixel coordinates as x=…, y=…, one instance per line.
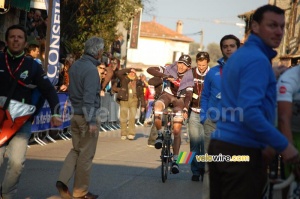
x=65, y=72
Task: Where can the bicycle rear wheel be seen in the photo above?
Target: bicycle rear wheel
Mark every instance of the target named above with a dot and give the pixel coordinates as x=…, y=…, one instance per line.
x=165, y=153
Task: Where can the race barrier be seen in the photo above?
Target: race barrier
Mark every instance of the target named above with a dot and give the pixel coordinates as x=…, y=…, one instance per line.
x=41, y=121
x=108, y=113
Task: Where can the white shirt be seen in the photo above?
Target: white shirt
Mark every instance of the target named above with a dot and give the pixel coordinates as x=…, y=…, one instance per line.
x=288, y=89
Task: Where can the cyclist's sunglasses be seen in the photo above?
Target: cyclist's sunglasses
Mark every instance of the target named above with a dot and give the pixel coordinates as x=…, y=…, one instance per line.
x=202, y=55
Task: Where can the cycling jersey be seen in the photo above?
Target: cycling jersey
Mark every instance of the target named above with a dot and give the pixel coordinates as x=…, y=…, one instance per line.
x=288, y=89
x=181, y=88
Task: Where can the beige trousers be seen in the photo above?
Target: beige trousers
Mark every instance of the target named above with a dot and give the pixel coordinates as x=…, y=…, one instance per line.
x=79, y=160
x=128, y=111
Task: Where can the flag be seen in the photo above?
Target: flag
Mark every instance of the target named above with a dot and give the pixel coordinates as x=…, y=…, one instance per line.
x=53, y=65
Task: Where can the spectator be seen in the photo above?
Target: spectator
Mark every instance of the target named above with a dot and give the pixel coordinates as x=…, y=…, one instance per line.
x=101, y=70
x=2, y=46
x=195, y=128
x=143, y=81
x=116, y=46
x=33, y=50
x=103, y=75
x=248, y=112
x=84, y=91
x=65, y=72
x=211, y=95
x=29, y=21
x=16, y=39
x=36, y=21
x=149, y=98
x=130, y=97
x=42, y=29
x=110, y=78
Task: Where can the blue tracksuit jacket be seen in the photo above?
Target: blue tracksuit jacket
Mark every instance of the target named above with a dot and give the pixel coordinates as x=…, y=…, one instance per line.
x=249, y=98
x=211, y=93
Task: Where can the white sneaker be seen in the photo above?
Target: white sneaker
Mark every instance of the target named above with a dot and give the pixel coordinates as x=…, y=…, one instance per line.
x=123, y=137
x=130, y=137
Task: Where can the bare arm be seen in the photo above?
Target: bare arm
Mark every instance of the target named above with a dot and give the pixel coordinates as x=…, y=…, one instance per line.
x=285, y=112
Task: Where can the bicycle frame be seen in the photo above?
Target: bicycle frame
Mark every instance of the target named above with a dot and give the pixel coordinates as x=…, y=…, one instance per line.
x=166, y=155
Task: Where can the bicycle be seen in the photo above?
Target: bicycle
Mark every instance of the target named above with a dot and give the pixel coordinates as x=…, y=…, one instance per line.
x=166, y=154
x=280, y=184
x=276, y=182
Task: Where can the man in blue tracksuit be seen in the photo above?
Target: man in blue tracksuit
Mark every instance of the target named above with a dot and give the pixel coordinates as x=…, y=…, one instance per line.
x=211, y=97
x=248, y=106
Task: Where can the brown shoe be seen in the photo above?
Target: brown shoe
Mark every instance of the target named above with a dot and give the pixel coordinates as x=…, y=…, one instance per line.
x=89, y=195
x=63, y=190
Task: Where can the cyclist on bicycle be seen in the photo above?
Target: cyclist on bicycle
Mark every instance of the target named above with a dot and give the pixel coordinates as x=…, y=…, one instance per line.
x=288, y=102
x=177, y=92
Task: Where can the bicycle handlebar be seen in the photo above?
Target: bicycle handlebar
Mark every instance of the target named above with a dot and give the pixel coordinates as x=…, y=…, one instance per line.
x=284, y=183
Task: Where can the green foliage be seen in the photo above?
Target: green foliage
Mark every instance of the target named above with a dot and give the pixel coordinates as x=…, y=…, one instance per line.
x=213, y=50
x=81, y=19
x=214, y=53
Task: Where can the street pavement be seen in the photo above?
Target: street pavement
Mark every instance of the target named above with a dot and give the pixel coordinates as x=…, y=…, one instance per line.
x=122, y=169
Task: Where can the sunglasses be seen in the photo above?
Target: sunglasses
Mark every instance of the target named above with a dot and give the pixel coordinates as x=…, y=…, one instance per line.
x=202, y=55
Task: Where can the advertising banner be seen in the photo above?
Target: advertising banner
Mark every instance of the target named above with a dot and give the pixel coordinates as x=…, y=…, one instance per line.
x=53, y=65
x=42, y=120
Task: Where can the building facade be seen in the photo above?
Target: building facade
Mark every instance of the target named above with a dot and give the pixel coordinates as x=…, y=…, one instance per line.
x=157, y=45
x=288, y=51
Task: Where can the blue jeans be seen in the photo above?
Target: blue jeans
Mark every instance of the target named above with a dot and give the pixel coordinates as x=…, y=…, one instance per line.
x=196, y=133
x=15, y=150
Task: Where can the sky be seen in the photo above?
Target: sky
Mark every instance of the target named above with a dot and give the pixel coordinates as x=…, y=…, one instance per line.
x=198, y=15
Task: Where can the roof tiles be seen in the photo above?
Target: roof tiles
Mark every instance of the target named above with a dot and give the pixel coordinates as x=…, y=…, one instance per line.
x=153, y=29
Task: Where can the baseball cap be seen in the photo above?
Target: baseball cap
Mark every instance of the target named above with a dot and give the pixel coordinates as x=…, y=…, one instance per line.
x=186, y=59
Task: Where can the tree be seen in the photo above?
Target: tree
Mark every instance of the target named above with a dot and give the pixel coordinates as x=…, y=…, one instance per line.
x=213, y=50
x=214, y=53
x=81, y=19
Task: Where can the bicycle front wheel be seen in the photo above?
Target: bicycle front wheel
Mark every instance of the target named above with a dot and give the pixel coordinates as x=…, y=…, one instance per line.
x=164, y=162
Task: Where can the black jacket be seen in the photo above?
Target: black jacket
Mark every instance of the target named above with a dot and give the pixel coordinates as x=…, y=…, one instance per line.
x=30, y=73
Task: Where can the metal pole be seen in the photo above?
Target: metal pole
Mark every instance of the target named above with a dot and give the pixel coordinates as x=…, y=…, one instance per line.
x=201, y=40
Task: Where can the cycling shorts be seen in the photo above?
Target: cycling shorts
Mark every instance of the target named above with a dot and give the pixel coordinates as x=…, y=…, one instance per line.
x=167, y=99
